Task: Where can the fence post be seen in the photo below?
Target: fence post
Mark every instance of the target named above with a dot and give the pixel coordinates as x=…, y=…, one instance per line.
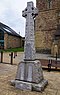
x=1, y=56
x=49, y=65
x=56, y=61
x=11, y=58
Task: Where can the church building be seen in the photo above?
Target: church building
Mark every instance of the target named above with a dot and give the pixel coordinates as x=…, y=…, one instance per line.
x=47, y=27
x=9, y=38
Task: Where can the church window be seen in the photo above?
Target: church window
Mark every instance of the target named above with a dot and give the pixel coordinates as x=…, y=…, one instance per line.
x=58, y=16
x=49, y=5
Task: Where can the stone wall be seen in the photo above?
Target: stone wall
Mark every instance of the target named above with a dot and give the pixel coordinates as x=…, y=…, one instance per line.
x=45, y=24
x=5, y=40
x=12, y=41
x=44, y=4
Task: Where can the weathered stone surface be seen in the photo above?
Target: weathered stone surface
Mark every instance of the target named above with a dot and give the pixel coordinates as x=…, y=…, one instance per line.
x=46, y=23
x=29, y=73
x=45, y=28
x=23, y=85
x=40, y=86
x=44, y=4
x=29, y=13
x=31, y=86
x=30, y=76
x=20, y=71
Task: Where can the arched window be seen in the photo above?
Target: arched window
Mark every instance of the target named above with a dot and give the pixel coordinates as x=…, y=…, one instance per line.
x=49, y=4
x=58, y=16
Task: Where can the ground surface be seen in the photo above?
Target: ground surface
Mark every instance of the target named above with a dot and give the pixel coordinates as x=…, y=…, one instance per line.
x=8, y=73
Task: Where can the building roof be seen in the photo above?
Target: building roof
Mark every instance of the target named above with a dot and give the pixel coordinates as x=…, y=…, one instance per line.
x=7, y=29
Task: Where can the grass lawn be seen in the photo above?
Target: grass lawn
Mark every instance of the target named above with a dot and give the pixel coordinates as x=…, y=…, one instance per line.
x=13, y=50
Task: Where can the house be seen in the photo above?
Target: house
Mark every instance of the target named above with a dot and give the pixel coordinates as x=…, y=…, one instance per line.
x=9, y=38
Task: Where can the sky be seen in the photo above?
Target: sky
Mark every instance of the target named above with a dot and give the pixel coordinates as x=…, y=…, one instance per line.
x=11, y=14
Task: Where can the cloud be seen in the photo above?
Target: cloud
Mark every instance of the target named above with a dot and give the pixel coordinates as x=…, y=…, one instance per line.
x=11, y=14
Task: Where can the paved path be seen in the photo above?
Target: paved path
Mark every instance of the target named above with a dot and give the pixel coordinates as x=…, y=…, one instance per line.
x=8, y=73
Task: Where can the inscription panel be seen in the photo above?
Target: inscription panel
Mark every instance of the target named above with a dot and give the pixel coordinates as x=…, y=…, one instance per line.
x=29, y=74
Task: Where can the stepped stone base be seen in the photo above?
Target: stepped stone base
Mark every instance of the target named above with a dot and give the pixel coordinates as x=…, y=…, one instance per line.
x=31, y=86
x=30, y=76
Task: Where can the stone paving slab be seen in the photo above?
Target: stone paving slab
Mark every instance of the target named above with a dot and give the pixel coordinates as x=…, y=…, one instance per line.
x=8, y=73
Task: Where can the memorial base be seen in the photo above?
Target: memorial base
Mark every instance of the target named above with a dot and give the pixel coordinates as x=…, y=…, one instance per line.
x=30, y=76
x=30, y=86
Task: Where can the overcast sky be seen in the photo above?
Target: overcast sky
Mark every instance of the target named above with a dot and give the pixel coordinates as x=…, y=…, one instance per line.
x=11, y=14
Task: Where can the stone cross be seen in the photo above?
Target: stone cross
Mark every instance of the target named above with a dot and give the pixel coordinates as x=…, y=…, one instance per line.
x=29, y=13
x=29, y=73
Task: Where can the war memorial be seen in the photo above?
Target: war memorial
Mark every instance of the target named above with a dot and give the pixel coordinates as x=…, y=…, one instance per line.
x=28, y=77
x=29, y=73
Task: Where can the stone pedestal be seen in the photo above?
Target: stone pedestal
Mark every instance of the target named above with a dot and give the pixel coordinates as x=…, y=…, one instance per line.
x=30, y=76
x=31, y=86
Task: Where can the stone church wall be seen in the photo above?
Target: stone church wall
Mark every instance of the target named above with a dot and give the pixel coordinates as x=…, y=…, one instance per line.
x=45, y=24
